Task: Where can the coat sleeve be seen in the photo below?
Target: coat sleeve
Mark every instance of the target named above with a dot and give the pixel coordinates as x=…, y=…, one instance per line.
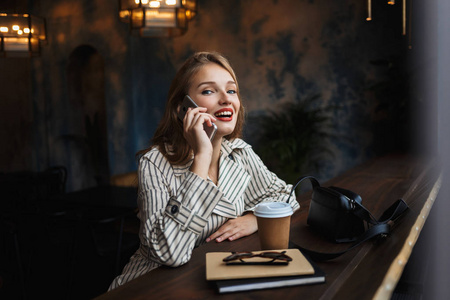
x=171, y=220
x=265, y=186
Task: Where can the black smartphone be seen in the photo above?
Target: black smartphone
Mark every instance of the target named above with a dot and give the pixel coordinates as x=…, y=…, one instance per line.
x=188, y=102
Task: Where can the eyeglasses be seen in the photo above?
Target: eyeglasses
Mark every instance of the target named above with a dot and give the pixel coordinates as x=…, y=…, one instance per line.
x=272, y=258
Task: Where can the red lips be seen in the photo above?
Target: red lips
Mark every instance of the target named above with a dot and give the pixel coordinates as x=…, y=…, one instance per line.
x=224, y=114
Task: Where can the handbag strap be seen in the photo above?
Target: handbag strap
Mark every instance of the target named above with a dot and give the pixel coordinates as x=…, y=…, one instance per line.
x=376, y=230
x=314, y=182
x=390, y=214
x=379, y=227
x=394, y=211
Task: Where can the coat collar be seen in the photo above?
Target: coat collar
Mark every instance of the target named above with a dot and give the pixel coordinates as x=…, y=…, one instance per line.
x=227, y=149
x=233, y=178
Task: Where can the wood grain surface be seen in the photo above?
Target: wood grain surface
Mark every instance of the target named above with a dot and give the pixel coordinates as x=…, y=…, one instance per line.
x=358, y=274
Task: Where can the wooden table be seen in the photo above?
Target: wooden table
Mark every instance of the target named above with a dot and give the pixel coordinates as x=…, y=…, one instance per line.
x=369, y=271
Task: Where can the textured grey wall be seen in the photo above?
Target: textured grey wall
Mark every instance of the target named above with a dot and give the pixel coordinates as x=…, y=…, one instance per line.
x=282, y=51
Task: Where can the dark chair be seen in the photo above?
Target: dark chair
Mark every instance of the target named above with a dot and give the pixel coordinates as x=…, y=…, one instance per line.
x=11, y=264
x=32, y=221
x=106, y=226
x=51, y=182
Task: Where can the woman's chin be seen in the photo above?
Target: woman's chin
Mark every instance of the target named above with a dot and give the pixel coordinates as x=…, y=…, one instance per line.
x=224, y=131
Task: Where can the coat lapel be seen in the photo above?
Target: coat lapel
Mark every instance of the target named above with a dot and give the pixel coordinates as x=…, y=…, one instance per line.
x=233, y=180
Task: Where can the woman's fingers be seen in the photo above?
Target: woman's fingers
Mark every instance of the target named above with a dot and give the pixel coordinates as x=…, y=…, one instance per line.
x=234, y=229
x=222, y=233
x=197, y=117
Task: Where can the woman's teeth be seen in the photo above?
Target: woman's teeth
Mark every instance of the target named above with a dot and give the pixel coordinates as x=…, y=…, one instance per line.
x=224, y=114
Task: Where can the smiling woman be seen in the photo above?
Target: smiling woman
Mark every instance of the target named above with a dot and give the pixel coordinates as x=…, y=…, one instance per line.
x=214, y=88
x=192, y=189
x=170, y=129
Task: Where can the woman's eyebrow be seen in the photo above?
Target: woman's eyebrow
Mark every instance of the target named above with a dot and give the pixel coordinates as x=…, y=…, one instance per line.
x=213, y=82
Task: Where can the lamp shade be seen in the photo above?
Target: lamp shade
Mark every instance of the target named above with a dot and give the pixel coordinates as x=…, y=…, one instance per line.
x=159, y=18
x=21, y=34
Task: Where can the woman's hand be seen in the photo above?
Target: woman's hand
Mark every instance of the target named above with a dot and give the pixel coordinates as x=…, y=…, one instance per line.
x=193, y=130
x=234, y=229
x=197, y=138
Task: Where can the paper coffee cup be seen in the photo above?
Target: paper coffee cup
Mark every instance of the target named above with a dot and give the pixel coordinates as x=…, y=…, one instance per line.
x=274, y=222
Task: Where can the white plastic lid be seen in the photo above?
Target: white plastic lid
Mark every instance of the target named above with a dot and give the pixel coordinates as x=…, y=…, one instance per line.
x=273, y=210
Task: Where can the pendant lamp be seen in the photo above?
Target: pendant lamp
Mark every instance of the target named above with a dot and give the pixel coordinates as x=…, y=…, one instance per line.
x=157, y=18
x=21, y=34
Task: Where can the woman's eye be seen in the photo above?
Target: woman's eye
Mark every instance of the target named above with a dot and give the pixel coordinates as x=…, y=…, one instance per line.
x=231, y=92
x=206, y=92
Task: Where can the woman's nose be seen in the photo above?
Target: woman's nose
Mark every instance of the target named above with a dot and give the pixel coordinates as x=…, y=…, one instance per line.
x=224, y=98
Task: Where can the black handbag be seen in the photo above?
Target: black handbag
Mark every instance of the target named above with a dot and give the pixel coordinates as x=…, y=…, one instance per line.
x=339, y=216
x=331, y=214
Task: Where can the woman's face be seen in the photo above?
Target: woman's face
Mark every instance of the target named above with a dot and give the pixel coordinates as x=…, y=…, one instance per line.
x=214, y=88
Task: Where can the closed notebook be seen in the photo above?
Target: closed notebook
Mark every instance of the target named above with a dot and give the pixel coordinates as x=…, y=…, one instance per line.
x=248, y=284
x=216, y=269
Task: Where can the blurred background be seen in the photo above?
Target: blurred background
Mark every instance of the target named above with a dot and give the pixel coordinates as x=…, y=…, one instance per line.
x=95, y=94
x=324, y=90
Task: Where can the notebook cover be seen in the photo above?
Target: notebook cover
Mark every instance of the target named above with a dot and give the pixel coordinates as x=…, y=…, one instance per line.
x=248, y=284
x=216, y=269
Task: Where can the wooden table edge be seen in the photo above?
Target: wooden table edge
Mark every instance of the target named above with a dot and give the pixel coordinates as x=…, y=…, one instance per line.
x=397, y=266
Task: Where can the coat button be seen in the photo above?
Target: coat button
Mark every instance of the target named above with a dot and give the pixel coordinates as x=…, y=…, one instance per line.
x=174, y=209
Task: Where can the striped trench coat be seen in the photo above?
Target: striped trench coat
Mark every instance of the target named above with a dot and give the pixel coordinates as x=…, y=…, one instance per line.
x=178, y=210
